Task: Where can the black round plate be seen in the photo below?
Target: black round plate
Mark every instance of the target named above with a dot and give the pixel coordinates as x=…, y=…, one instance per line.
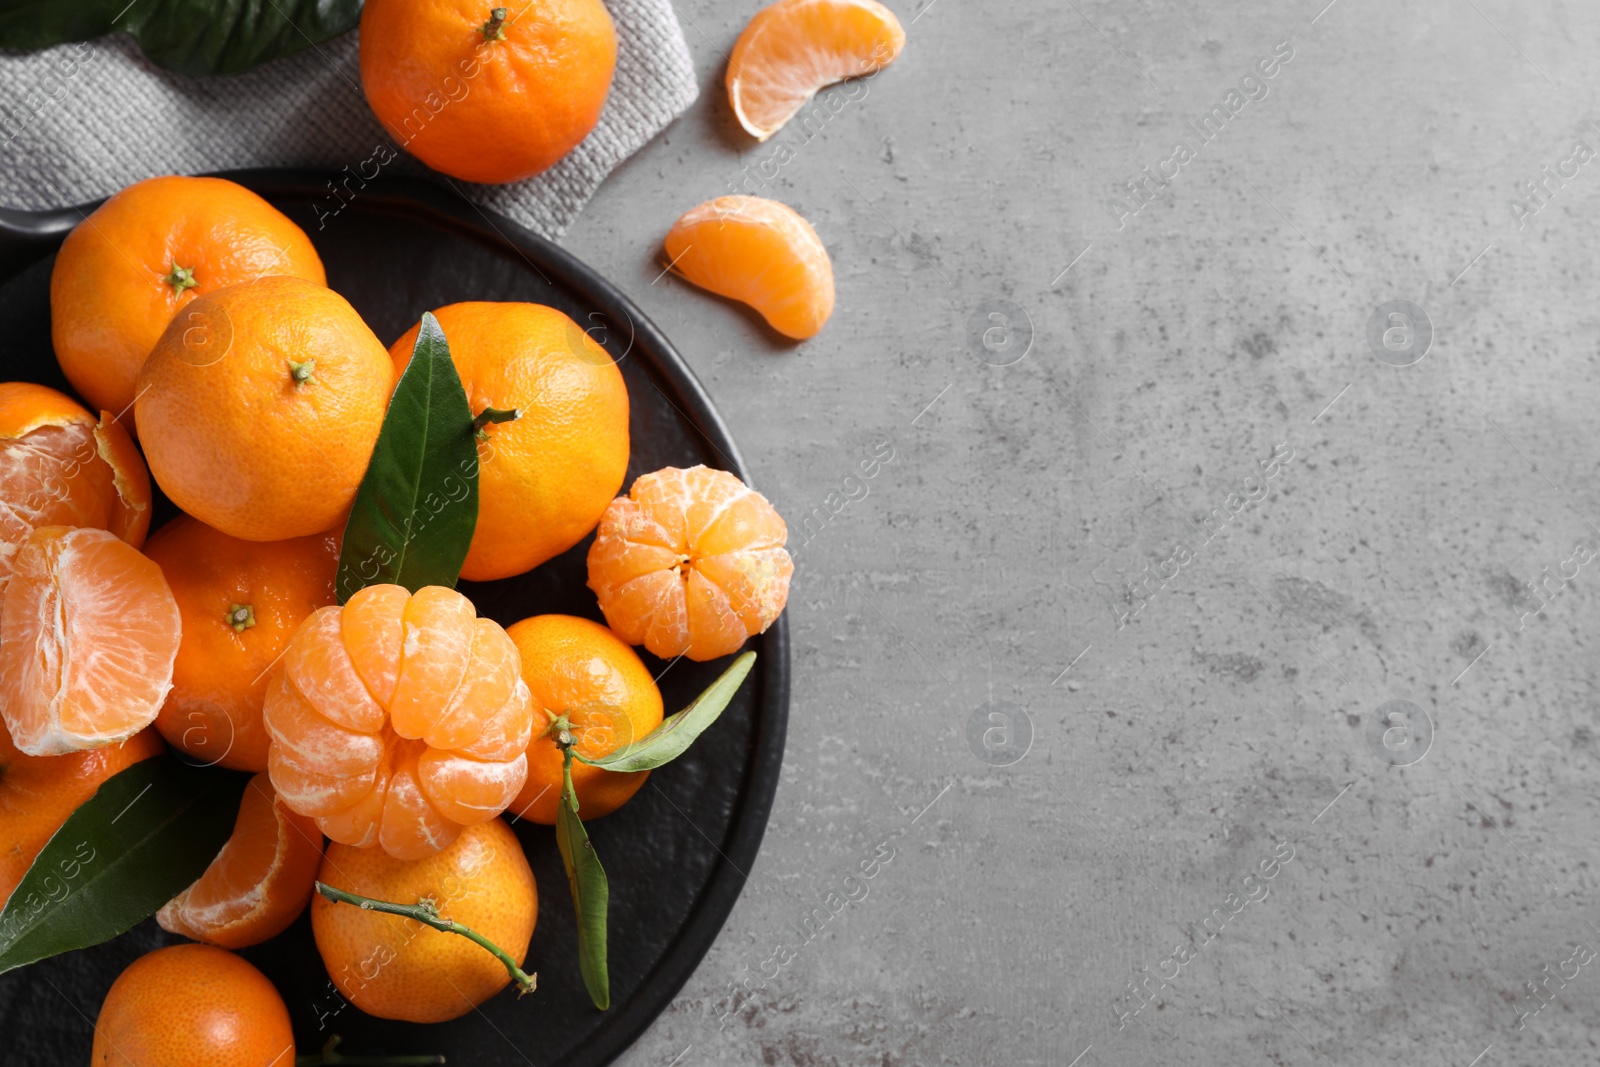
x=676, y=855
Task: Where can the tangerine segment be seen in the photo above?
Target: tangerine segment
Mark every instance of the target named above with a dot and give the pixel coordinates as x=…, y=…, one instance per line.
x=59, y=467
x=259, y=883
x=88, y=638
x=398, y=719
x=795, y=47
x=241, y=602
x=690, y=562
x=583, y=672
x=761, y=253
x=149, y=251
x=545, y=476
x=396, y=968
x=37, y=793
x=196, y=1005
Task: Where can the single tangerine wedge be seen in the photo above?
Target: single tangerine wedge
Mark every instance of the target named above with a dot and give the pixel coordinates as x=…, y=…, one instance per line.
x=690, y=562
x=398, y=719
x=88, y=639
x=761, y=253
x=59, y=466
x=581, y=671
x=795, y=47
x=259, y=883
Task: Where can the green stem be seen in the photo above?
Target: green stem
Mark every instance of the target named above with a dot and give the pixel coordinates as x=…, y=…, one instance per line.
x=494, y=29
x=329, y=1057
x=426, y=912
x=180, y=278
x=301, y=372
x=488, y=415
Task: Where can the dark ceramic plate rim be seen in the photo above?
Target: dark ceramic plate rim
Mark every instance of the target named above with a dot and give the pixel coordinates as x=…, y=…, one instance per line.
x=26, y=236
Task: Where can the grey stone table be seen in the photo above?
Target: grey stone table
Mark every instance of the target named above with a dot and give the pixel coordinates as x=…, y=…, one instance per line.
x=1129, y=501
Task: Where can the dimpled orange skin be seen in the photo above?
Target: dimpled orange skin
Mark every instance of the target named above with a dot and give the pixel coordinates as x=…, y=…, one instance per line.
x=220, y=678
x=545, y=478
x=582, y=670
x=690, y=562
x=398, y=719
x=259, y=883
x=109, y=300
x=193, y=1005
x=396, y=968
x=37, y=793
x=231, y=435
x=59, y=466
x=480, y=109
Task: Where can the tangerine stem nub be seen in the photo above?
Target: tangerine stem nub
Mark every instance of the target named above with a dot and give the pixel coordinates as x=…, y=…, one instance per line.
x=426, y=912
x=302, y=372
x=488, y=415
x=241, y=617
x=330, y=1057
x=494, y=29
x=180, y=278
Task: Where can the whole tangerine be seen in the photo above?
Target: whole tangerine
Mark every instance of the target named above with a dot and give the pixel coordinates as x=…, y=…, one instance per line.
x=545, y=476
x=485, y=93
x=195, y=1005
x=240, y=601
x=581, y=671
x=260, y=405
x=133, y=262
x=397, y=968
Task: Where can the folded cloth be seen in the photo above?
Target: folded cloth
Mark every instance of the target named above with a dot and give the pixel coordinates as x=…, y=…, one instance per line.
x=80, y=121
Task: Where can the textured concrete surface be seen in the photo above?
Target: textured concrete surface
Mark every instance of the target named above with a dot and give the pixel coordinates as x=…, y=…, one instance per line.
x=1315, y=531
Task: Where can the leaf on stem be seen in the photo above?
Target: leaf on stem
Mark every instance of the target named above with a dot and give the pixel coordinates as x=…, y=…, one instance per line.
x=669, y=740
x=591, y=894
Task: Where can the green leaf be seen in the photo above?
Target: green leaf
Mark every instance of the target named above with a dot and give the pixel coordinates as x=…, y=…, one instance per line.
x=669, y=740
x=188, y=36
x=417, y=506
x=591, y=893
x=144, y=837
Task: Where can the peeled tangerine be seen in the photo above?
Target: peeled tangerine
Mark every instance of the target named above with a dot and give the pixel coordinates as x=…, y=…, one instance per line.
x=60, y=466
x=690, y=562
x=89, y=634
x=761, y=253
x=398, y=719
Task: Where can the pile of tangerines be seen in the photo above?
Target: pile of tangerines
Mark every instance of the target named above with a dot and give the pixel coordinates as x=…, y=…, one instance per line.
x=388, y=728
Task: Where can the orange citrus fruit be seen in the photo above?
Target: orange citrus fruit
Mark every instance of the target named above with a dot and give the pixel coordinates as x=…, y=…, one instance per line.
x=795, y=47
x=582, y=671
x=195, y=1005
x=761, y=253
x=398, y=719
x=134, y=261
x=241, y=601
x=59, y=466
x=397, y=968
x=544, y=477
x=486, y=93
x=260, y=406
x=87, y=641
x=690, y=562
x=259, y=883
x=37, y=793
